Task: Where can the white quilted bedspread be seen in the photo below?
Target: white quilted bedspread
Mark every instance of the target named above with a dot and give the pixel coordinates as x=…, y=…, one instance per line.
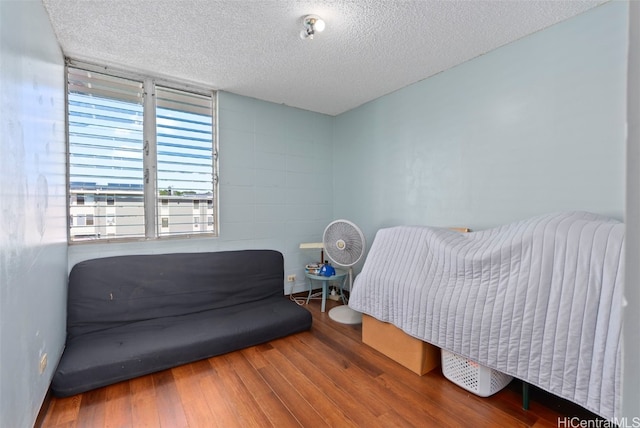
x=540, y=299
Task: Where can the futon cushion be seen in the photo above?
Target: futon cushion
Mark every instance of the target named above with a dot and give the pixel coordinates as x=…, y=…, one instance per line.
x=112, y=291
x=112, y=355
x=133, y=315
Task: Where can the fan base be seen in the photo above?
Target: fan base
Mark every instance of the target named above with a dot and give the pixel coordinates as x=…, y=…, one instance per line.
x=345, y=315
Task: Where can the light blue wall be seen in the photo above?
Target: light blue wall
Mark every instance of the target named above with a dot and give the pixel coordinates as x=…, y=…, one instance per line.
x=631, y=329
x=533, y=127
x=33, y=248
x=275, y=186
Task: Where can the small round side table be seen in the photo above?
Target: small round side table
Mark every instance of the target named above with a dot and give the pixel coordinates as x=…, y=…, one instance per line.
x=340, y=276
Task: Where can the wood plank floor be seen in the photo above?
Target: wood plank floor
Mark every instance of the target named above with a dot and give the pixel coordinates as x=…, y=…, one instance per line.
x=324, y=377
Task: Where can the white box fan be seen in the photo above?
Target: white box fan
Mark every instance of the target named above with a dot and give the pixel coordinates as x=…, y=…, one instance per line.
x=344, y=245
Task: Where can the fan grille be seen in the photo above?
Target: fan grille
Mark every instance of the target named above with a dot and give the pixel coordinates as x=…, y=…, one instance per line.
x=343, y=242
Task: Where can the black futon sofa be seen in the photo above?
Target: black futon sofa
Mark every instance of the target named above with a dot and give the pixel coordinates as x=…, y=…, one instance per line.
x=128, y=316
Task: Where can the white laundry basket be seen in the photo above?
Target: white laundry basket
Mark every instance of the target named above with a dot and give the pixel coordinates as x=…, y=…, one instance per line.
x=472, y=376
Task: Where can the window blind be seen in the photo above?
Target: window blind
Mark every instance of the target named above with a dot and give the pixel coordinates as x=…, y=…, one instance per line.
x=123, y=171
x=105, y=155
x=185, y=159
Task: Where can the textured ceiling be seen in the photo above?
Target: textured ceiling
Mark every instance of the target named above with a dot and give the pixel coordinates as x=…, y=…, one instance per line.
x=252, y=48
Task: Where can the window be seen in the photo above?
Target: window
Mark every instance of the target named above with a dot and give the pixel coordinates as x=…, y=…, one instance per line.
x=122, y=128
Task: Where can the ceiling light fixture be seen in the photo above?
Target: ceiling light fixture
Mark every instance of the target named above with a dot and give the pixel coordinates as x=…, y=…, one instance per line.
x=312, y=24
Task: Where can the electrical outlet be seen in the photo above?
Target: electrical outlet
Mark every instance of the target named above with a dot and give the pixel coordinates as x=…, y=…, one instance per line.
x=291, y=278
x=43, y=363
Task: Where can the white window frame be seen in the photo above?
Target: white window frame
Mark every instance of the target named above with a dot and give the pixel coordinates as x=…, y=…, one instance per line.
x=152, y=199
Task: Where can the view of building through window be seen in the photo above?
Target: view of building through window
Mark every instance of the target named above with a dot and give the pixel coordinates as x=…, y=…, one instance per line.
x=113, y=192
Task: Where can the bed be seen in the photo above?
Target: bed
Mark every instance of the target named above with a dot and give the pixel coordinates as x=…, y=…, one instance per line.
x=540, y=299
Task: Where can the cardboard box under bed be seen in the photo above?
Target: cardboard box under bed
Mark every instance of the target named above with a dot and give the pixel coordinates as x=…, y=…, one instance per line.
x=418, y=356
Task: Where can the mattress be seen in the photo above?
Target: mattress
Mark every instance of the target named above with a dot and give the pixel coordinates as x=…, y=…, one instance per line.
x=540, y=299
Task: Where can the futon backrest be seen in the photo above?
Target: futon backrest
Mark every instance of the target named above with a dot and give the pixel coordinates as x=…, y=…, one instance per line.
x=111, y=291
